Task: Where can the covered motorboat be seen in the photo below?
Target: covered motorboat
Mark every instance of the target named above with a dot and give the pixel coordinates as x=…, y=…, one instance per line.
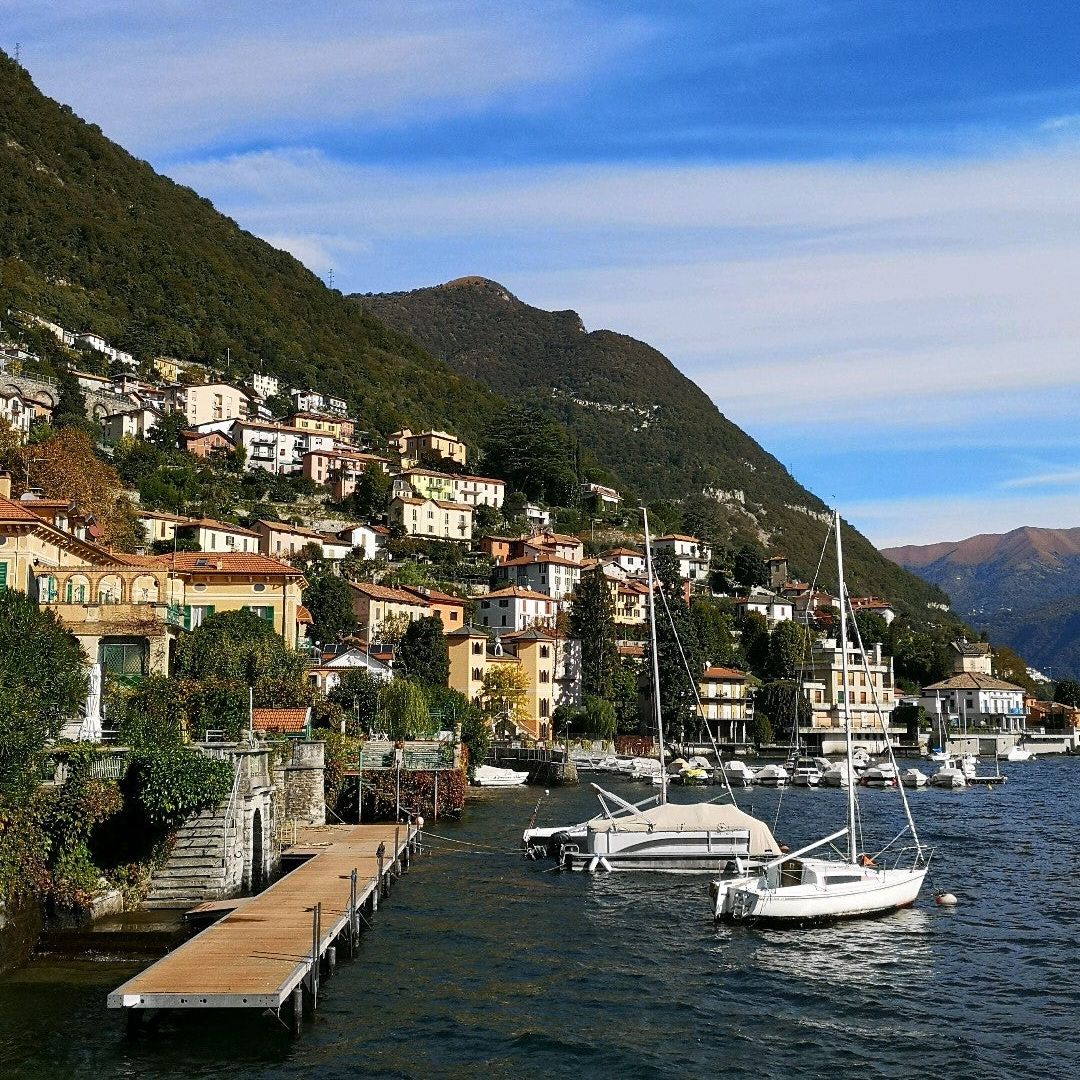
x=490, y=776
x=736, y=773
x=836, y=775
x=687, y=838
x=774, y=776
x=805, y=772
x=913, y=778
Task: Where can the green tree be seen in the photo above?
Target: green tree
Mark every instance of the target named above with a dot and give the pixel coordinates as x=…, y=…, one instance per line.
x=781, y=703
x=754, y=631
x=329, y=599
x=715, y=630
x=371, y=494
x=625, y=699
x=42, y=684
x=357, y=694
x=592, y=622
x=748, y=567
x=533, y=453
x=599, y=718
x=423, y=654
x=872, y=627
x=403, y=710
x=674, y=627
x=1067, y=692
x=789, y=650
x=504, y=694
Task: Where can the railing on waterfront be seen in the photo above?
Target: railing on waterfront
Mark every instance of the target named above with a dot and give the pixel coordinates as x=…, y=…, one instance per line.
x=55, y=767
x=416, y=756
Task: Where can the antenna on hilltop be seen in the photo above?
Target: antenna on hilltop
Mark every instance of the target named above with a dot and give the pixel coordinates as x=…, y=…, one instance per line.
x=18, y=53
x=330, y=278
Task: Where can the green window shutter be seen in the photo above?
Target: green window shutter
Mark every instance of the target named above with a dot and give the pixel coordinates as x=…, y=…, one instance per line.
x=187, y=616
x=3, y=576
x=69, y=592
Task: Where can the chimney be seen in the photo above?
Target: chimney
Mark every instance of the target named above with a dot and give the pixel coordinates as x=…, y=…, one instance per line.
x=5, y=485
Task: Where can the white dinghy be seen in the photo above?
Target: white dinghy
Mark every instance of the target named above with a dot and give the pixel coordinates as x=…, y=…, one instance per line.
x=796, y=888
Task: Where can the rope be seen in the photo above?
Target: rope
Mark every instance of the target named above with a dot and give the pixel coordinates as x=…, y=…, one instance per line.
x=697, y=697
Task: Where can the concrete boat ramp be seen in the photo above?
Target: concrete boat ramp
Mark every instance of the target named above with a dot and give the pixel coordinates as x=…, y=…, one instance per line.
x=270, y=951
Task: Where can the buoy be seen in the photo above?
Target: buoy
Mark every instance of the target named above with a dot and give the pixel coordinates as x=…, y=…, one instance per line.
x=420, y=821
x=945, y=899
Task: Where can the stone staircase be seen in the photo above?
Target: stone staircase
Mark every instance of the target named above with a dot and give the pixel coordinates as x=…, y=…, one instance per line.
x=197, y=867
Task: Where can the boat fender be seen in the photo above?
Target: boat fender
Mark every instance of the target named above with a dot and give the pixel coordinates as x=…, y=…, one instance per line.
x=419, y=821
x=944, y=899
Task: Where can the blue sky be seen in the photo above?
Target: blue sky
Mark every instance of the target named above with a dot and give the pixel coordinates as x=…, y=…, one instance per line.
x=855, y=224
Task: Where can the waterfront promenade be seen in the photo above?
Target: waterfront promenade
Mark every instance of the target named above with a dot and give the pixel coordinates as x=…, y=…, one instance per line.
x=272, y=949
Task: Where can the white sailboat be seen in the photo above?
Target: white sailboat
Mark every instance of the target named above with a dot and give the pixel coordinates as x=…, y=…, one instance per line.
x=656, y=834
x=492, y=776
x=797, y=887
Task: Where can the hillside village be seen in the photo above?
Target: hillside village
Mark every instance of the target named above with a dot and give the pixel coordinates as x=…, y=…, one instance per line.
x=403, y=530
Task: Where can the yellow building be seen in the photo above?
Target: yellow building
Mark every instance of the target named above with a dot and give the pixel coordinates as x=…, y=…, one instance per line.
x=373, y=605
x=203, y=403
x=431, y=518
x=547, y=662
x=326, y=425
x=427, y=445
x=126, y=609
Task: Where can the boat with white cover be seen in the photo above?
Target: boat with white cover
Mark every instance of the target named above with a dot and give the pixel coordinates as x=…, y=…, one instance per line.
x=773, y=776
x=837, y=775
x=1016, y=753
x=954, y=773
x=914, y=778
x=798, y=887
x=736, y=773
x=805, y=772
x=491, y=776
x=879, y=776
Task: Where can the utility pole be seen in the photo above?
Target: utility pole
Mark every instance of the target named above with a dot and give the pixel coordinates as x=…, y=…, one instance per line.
x=330, y=278
x=18, y=53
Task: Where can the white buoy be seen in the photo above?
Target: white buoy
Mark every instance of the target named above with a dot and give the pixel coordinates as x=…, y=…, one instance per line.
x=945, y=899
x=420, y=821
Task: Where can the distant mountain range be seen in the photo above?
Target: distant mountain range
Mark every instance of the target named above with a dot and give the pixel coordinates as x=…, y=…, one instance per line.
x=1022, y=586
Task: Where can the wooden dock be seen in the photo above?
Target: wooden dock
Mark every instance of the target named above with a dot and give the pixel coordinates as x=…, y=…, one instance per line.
x=272, y=949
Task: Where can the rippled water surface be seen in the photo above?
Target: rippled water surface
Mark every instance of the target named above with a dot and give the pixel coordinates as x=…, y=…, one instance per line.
x=482, y=961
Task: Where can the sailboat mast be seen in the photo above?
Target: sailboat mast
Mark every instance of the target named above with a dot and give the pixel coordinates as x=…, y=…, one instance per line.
x=655, y=657
x=847, y=689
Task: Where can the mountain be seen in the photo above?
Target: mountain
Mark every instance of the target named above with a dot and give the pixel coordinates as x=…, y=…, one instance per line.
x=97, y=240
x=653, y=431
x=1022, y=586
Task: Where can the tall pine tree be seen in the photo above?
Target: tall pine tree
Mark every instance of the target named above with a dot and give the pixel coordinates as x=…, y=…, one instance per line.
x=592, y=622
x=678, y=700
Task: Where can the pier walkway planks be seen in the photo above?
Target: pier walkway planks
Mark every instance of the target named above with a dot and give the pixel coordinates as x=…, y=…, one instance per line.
x=260, y=953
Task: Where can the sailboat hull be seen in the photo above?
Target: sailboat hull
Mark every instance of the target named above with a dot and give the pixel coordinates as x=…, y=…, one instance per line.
x=876, y=892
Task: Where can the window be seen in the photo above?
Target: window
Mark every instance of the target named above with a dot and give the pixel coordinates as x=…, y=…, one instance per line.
x=263, y=611
x=504, y=602
x=195, y=614
x=545, y=652
x=545, y=707
x=3, y=576
x=478, y=648
x=545, y=676
x=124, y=659
x=477, y=673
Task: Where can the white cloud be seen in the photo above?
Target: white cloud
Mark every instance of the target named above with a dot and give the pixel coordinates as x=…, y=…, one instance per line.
x=1060, y=478
x=883, y=295
x=176, y=76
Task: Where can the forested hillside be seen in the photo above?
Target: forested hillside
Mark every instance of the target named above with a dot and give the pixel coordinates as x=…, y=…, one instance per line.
x=655, y=432
x=96, y=239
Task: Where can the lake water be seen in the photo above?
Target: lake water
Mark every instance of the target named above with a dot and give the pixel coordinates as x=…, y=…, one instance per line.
x=485, y=964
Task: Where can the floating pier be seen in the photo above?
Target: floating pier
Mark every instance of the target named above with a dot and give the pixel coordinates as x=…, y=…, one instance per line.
x=270, y=951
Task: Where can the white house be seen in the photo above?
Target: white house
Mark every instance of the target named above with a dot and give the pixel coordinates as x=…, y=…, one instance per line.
x=628, y=559
x=774, y=608
x=548, y=574
x=431, y=518
x=266, y=386
x=369, y=539
x=537, y=515
x=514, y=608
x=693, y=556
x=214, y=535
x=307, y=401
x=971, y=697
x=277, y=448
x=325, y=676
x=133, y=423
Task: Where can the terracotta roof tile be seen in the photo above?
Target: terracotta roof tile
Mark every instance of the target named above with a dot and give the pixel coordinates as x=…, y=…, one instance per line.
x=383, y=592
x=234, y=562
x=280, y=719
